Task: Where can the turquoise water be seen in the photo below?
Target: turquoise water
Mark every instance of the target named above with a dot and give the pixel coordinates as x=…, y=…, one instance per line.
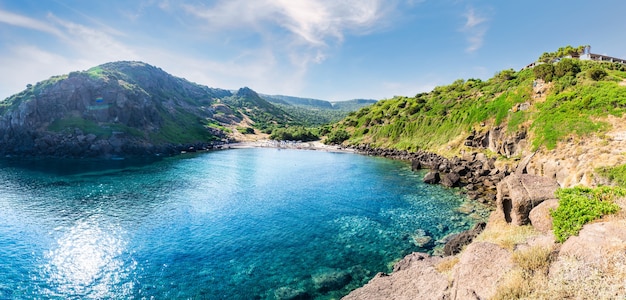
x=233, y=224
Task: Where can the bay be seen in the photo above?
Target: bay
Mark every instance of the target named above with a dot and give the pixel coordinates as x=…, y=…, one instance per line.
x=233, y=224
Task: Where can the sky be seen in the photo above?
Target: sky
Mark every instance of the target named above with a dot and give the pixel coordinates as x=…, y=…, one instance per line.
x=325, y=49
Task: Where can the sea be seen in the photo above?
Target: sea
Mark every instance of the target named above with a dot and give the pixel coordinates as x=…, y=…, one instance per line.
x=257, y=223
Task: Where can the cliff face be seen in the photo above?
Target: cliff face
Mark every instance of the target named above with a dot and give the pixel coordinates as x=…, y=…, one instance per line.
x=120, y=108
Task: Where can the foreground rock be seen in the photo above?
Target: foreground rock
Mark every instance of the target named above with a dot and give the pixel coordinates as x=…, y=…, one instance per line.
x=480, y=269
x=419, y=276
x=415, y=277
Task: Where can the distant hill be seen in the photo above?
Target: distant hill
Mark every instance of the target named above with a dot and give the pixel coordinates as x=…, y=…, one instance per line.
x=124, y=108
x=315, y=111
x=349, y=105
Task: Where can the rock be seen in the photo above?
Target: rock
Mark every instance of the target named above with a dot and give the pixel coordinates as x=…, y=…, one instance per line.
x=540, y=216
x=416, y=277
x=456, y=242
x=450, y=179
x=517, y=195
x=479, y=270
x=595, y=241
x=431, y=177
x=416, y=165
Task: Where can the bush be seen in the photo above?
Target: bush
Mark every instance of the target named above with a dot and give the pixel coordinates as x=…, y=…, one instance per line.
x=245, y=130
x=337, y=137
x=579, y=206
x=596, y=73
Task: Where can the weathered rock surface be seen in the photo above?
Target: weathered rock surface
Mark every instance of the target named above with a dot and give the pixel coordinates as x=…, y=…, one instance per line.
x=540, y=216
x=414, y=277
x=476, y=275
x=595, y=241
x=481, y=267
x=517, y=195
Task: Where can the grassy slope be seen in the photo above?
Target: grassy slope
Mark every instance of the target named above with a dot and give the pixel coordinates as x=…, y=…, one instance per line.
x=575, y=105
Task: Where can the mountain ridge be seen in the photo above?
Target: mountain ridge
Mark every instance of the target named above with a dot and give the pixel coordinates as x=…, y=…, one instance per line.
x=127, y=108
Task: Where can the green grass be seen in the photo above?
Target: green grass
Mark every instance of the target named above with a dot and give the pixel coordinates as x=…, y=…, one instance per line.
x=615, y=174
x=580, y=205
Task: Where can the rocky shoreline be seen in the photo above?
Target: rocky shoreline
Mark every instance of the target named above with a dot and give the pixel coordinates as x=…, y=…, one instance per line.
x=474, y=172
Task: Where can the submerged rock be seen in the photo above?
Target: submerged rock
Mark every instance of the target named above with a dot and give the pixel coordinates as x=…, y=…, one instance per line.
x=331, y=280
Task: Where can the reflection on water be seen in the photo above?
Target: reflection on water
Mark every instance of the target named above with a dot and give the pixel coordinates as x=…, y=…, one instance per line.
x=86, y=261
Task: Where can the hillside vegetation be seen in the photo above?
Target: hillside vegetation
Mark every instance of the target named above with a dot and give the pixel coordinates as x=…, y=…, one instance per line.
x=550, y=102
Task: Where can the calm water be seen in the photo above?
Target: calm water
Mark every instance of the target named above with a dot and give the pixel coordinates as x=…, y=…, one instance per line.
x=236, y=224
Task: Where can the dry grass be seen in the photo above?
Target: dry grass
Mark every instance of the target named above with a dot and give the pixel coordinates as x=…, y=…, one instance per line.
x=506, y=235
x=513, y=286
x=534, y=260
x=528, y=276
x=578, y=280
x=574, y=279
x=446, y=265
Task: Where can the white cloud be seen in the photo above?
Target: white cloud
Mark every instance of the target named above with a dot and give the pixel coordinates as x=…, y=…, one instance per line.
x=315, y=22
x=25, y=22
x=475, y=28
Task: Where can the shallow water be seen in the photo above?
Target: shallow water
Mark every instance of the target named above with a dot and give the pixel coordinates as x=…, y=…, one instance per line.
x=235, y=224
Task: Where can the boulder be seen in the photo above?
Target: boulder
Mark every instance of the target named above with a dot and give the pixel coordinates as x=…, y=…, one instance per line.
x=480, y=269
x=456, y=242
x=450, y=179
x=540, y=216
x=517, y=195
x=595, y=241
x=431, y=177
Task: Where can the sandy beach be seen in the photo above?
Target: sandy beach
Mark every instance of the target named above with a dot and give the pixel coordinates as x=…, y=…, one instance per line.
x=315, y=145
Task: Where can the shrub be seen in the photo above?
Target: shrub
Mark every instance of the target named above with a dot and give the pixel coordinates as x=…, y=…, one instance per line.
x=579, y=206
x=337, y=137
x=596, y=73
x=245, y=130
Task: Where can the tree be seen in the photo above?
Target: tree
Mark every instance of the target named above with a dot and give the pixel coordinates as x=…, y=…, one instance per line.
x=567, y=66
x=544, y=71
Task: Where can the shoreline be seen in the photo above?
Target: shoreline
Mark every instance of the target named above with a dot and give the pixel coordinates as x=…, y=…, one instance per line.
x=314, y=145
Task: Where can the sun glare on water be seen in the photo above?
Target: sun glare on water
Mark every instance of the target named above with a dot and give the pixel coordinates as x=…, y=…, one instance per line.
x=87, y=262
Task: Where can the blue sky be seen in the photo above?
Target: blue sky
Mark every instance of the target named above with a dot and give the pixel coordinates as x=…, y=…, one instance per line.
x=326, y=49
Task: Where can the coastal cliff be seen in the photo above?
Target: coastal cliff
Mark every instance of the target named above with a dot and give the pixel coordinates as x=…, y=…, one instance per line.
x=556, y=144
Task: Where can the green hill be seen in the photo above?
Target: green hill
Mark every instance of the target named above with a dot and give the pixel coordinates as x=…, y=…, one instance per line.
x=546, y=104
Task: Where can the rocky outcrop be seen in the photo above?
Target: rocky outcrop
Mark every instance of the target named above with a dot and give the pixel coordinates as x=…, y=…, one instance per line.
x=496, y=140
x=594, y=242
x=517, y=195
